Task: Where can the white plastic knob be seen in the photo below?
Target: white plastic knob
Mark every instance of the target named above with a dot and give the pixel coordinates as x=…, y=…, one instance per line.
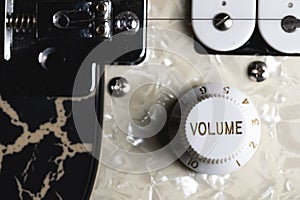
x=220, y=129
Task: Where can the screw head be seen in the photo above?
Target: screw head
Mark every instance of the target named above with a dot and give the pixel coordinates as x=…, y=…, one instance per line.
x=223, y=22
x=51, y=59
x=258, y=71
x=118, y=87
x=289, y=24
x=61, y=20
x=102, y=7
x=101, y=30
x=127, y=22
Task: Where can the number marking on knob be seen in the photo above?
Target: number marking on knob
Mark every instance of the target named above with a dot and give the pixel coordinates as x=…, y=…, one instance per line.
x=246, y=101
x=226, y=90
x=255, y=122
x=203, y=90
x=253, y=145
x=193, y=163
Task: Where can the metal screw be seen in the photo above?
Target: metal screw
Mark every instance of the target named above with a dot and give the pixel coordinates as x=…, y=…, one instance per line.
x=258, y=71
x=102, y=7
x=127, y=22
x=119, y=87
x=50, y=59
x=222, y=22
x=101, y=30
x=290, y=23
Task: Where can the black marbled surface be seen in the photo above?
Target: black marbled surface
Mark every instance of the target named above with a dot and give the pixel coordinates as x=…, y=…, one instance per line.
x=41, y=154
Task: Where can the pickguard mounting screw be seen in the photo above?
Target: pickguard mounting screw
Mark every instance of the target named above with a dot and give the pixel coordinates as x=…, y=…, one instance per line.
x=258, y=71
x=118, y=87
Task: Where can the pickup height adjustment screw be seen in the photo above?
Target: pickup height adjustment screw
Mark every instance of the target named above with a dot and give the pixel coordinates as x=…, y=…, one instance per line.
x=258, y=71
x=290, y=23
x=222, y=22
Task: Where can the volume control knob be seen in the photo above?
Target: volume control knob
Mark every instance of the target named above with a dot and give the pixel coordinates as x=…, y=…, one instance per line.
x=219, y=129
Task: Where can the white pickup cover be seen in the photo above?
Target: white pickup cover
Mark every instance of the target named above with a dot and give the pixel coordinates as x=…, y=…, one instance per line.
x=270, y=15
x=243, y=14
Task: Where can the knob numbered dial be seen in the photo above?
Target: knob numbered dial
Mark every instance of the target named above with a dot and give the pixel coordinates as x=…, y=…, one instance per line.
x=219, y=129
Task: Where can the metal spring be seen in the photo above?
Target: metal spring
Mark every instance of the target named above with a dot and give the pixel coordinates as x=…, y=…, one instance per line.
x=21, y=22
